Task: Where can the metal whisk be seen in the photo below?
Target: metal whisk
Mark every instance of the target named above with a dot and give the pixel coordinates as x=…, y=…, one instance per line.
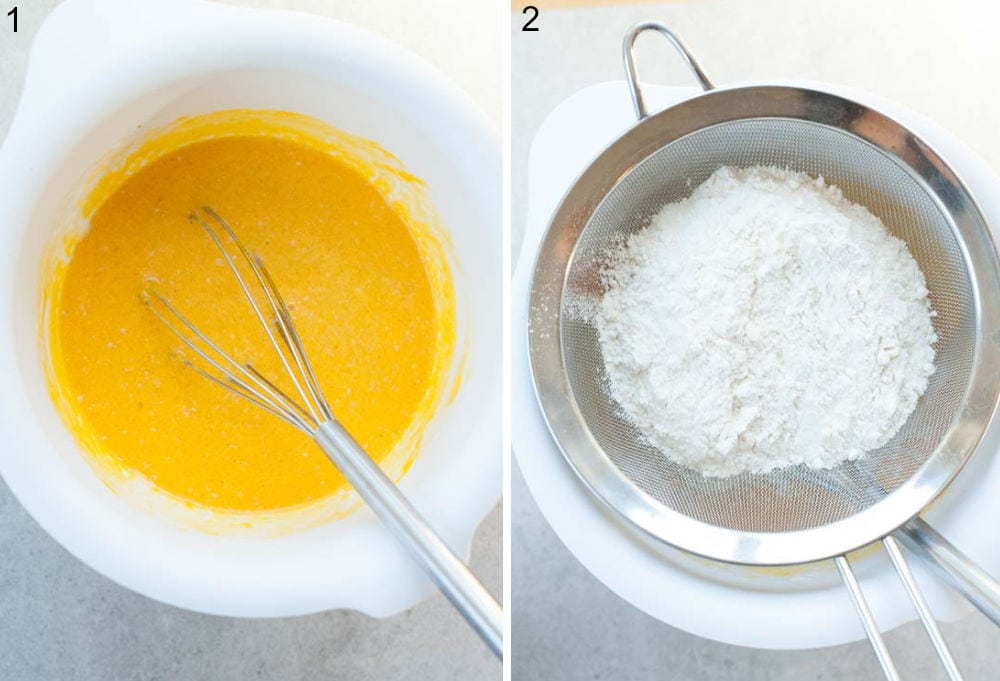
x=309, y=412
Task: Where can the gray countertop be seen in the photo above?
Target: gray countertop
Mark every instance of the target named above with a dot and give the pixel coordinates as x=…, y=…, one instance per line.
x=61, y=620
x=928, y=55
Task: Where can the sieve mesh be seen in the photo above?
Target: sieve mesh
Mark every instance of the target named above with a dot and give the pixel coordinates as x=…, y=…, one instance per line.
x=796, y=498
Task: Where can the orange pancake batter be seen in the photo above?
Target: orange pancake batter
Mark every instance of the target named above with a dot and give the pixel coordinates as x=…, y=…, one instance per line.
x=367, y=284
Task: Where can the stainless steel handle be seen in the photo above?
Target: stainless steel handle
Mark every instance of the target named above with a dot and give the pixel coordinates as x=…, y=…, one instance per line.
x=978, y=587
x=867, y=619
x=628, y=52
x=451, y=575
x=917, y=598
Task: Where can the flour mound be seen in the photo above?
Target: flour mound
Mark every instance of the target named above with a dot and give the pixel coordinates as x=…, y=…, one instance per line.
x=765, y=321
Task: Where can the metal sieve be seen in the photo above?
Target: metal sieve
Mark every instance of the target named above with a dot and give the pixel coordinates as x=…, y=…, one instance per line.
x=793, y=515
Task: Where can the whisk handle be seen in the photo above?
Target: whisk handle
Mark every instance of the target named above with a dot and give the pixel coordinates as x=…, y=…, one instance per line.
x=451, y=575
x=975, y=584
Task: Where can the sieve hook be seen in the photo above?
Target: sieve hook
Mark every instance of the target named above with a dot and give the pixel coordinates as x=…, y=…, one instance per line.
x=628, y=52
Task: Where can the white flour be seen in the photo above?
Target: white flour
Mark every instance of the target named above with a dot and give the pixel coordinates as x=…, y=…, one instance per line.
x=763, y=322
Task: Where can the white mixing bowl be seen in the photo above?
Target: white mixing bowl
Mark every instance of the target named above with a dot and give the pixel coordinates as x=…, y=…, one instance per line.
x=99, y=69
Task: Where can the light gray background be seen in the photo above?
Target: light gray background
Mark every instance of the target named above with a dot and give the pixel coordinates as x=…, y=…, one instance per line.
x=931, y=56
x=61, y=620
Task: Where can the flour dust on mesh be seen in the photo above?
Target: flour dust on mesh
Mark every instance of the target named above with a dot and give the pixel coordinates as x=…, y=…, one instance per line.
x=765, y=321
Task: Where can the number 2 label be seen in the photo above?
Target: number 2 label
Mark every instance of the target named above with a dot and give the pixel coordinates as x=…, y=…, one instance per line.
x=533, y=11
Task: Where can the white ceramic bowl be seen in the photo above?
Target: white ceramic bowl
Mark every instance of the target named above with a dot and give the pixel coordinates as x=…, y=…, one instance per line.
x=99, y=69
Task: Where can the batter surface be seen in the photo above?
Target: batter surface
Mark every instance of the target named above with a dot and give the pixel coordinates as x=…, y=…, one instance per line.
x=368, y=288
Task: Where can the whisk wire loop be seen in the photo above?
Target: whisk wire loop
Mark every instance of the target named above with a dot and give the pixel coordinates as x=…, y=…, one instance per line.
x=264, y=395
x=291, y=337
x=249, y=295
x=306, y=416
x=242, y=392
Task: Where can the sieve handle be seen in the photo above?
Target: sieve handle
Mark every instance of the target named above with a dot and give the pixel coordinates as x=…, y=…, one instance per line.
x=867, y=619
x=968, y=578
x=628, y=52
x=917, y=598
